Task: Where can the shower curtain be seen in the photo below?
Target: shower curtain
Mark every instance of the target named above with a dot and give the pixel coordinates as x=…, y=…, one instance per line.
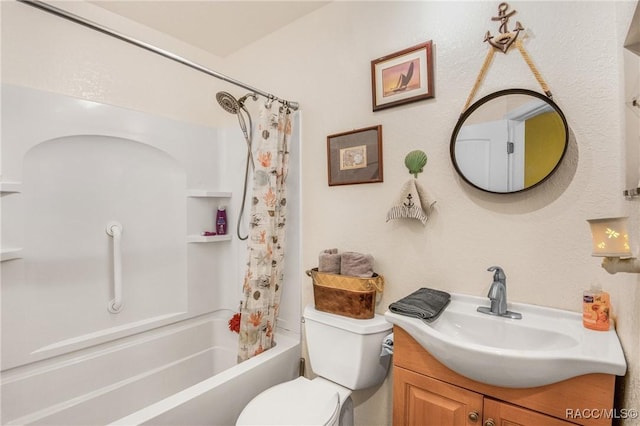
x=266, y=242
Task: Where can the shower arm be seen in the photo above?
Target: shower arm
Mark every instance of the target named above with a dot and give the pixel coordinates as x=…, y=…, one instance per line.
x=169, y=55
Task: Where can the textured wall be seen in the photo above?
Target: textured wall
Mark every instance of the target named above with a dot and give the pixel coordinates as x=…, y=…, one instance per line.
x=46, y=52
x=539, y=237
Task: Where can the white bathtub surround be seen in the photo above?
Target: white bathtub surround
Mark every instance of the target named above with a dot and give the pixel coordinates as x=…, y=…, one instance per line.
x=67, y=358
x=266, y=244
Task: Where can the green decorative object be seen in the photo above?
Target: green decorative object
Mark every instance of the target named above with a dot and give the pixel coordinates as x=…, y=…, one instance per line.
x=415, y=162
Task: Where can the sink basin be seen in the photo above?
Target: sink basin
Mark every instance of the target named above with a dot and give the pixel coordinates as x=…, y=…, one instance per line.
x=546, y=346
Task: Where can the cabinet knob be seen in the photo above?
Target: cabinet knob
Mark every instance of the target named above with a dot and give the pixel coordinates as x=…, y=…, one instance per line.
x=474, y=416
x=490, y=422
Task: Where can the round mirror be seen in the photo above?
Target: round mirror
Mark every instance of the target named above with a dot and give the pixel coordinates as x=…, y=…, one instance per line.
x=509, y=141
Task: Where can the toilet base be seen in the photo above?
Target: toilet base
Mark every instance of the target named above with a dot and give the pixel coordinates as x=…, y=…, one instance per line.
x=346, y=413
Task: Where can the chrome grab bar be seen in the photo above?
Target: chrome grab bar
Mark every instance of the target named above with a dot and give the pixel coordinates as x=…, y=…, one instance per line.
x=114, y=229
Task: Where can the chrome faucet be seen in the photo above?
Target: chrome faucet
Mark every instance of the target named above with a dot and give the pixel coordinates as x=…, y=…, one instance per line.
x=498, y=296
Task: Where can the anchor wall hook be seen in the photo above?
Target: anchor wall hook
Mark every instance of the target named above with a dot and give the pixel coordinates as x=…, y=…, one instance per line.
x=505, y=38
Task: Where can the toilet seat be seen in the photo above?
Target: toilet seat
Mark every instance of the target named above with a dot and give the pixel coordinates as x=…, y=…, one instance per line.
x=298, y=402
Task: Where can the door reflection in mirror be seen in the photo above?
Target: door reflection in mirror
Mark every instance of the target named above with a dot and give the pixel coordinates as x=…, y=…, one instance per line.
x=509, y=141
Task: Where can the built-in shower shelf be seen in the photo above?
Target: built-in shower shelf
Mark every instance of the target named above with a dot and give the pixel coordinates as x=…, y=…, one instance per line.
x=631, y=193
x=202, y=212
x=10, y=187
x=208, y=194
x=207, y=239
x=10, y=254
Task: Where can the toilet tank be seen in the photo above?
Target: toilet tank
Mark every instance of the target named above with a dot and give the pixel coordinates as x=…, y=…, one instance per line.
x=347, y=350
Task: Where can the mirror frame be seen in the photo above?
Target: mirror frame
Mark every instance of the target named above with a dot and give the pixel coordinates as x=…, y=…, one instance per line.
x=484, y=100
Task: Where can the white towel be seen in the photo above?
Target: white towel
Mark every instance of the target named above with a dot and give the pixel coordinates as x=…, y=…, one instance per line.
x=411, y=204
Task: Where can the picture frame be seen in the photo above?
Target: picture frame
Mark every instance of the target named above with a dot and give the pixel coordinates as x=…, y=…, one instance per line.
x=403, y=77
x=355, y=156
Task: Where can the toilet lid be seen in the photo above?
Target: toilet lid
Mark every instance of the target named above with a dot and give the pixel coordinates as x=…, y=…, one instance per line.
x=297, y=402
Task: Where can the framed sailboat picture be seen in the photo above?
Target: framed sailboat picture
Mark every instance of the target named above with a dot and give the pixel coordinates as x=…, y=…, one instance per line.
x=402, y=77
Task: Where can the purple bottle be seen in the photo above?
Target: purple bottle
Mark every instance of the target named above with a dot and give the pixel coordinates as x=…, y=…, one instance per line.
x=221, y=221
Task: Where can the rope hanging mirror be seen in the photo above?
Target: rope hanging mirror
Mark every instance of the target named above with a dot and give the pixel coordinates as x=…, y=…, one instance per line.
x=511, y=140
x=502, y=42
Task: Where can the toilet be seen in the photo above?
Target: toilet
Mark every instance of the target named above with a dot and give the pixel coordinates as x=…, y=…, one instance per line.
x=345, y=354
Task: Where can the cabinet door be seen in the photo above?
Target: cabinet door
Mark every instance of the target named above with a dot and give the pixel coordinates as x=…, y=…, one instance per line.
x=498, y=413
x=422, y=401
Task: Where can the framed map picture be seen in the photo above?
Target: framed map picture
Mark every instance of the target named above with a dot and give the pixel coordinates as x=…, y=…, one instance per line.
x=355, y=156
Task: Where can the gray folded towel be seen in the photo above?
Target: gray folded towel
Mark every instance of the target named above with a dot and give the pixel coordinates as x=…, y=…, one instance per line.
x=356, y=264
x=425, y=303
x=329, y=261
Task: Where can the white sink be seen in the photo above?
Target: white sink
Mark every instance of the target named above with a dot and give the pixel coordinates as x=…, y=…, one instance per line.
x=546, y=346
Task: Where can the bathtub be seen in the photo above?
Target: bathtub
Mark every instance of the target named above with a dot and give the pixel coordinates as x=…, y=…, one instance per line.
x=181, y=374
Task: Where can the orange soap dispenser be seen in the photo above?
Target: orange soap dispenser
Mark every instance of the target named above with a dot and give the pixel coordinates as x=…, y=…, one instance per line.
x=596, y=309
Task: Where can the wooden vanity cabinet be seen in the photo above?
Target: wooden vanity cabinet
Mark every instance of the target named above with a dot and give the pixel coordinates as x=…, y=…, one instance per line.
x=507, y=414
x=422, y=400
x=427, y=393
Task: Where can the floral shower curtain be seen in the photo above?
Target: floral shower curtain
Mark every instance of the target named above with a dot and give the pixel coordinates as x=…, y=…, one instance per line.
x=266, y=242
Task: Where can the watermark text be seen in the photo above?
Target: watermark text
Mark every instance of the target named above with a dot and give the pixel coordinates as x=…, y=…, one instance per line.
x=601, y=413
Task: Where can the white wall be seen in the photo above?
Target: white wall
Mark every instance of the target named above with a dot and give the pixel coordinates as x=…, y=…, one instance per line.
x=539, y=237
x=631, y=160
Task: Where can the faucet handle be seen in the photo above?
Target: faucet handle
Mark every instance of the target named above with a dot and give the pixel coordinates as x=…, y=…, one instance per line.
x=498, y=274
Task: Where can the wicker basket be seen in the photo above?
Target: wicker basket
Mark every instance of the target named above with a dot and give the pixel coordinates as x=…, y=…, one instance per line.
x=352, y=297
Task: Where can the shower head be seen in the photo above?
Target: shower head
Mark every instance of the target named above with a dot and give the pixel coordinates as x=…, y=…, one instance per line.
x=228, y=102
x=231, y=104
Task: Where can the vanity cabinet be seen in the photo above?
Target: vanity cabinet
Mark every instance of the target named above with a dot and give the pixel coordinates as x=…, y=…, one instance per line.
x=422, y=400
x=500, y=413
x=425, y=392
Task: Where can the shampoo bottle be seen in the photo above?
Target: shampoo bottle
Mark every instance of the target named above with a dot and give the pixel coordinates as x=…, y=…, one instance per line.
x=221, y=221
x=596, y=309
